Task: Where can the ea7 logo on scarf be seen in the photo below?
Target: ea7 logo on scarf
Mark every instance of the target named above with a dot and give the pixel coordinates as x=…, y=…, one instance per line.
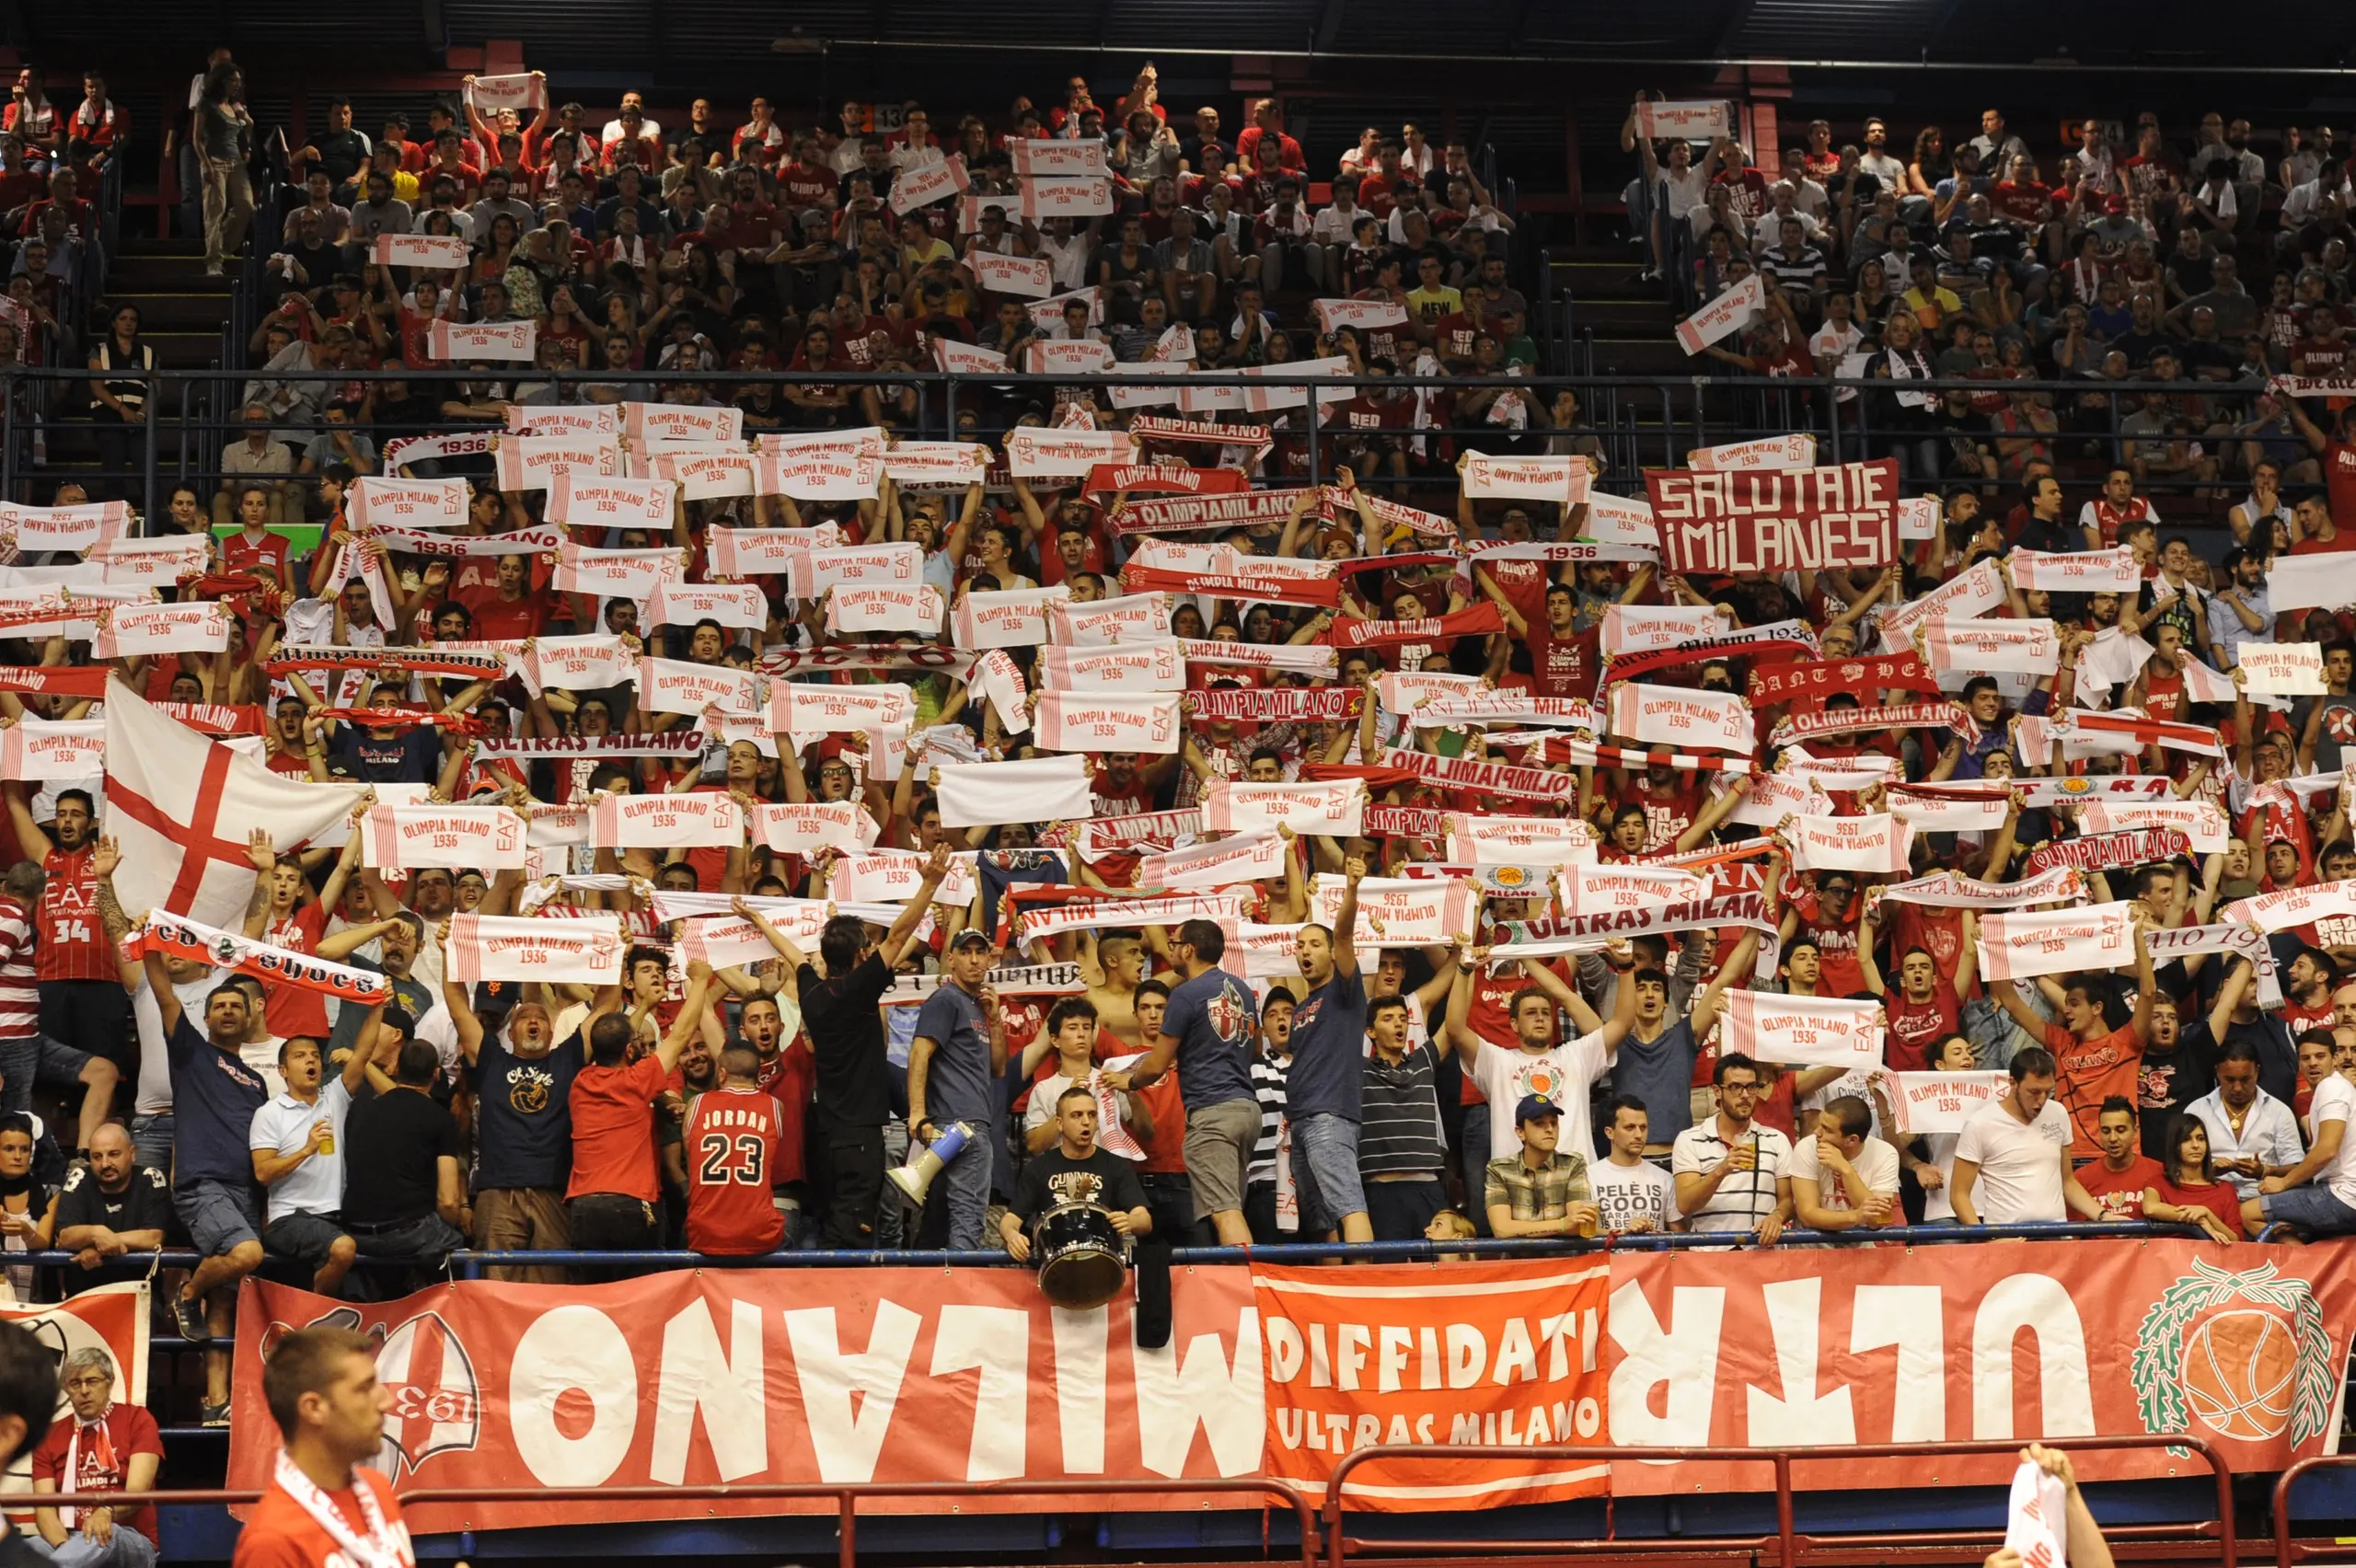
x=437, y=1402
x=2246, y=1353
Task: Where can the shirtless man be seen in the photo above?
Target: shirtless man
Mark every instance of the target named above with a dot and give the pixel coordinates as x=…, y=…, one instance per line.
x=1111, y=966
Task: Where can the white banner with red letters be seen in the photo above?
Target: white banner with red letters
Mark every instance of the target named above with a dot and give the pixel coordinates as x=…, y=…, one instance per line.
x=535, y=462
x=377, y=501
x=1767, y=452
x=677, y=686
x=937, y=465
x=578, y=663
x=1025, y=277
x=2200, y=822
x=766, y=552
x=493, y=342
x=895, y=876
x=434, y=252
x=2019, y=947
x=67, y=528
x=2294, y=906
x=1729, y=313
x=804, y=828
x=853, y=608
x=404, y=838
x=2077, y=571
x=890, y=565
x=1686, y=122
x=818, y=476
x=683, y=422
x=1597, y=890
x=159, y=562
x=1336, y=806
x=1993, y=647
x=1561, y=479
x=1516, y=840
x=1015, y=617
x=804, y=708
x=1219, y=862
x=565, y=419
x=628, y=575
x=132, y=630
x=1639, y=628
x=500, y=947
x=1682, y=716
x=1869, y=845
x=1122, y=667
x=1803, y=1032
x=48, y=750
x=667, y=821
x=1130, y=617
x=2281, y=669
x=739, y=606
x=578, y=501
x=1403, y=911
x=1055, y=454
x=1100, y=722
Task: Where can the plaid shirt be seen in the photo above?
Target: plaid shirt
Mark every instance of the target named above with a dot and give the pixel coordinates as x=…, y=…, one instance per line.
x=1546, y=1193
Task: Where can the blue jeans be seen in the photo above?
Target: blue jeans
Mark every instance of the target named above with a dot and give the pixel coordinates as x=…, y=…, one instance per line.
x=124, y=1548
x=968, y=1176
x=151, y=1141
x=1475, y=1158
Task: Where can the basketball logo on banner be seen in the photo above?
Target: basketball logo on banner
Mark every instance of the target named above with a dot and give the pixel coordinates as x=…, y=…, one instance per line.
x=2246, y=1354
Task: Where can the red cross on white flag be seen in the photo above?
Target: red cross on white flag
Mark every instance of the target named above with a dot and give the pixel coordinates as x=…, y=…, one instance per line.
x=181, y=805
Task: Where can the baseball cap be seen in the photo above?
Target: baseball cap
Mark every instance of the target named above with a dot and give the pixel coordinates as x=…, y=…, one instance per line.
x=1535, y=1108
x=964, y=938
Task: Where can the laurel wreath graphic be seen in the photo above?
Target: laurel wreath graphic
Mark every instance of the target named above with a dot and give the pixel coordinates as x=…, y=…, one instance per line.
x=2159, y=1342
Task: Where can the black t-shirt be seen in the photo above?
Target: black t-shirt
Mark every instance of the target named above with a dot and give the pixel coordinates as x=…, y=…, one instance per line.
x=525, y=1107
x=341, y=153
x=854, y=1089
x=2172, y=1079
x=394, y=1142
x=144, y=1204
x=1104, y=1179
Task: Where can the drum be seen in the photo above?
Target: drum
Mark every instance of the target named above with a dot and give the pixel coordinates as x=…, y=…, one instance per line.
x=1082, y=1260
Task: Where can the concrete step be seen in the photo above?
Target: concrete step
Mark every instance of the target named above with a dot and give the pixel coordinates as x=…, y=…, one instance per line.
x=169, y=311
x=184, y=273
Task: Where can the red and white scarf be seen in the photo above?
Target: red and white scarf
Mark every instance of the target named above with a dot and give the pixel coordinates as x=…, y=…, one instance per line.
x=385, y=1544
x=492, y=947
x=1803, y=1032
x=2019, y=947
x=1331, y=807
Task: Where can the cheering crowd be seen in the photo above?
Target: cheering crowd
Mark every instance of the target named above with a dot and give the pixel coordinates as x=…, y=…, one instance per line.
x=730, y=793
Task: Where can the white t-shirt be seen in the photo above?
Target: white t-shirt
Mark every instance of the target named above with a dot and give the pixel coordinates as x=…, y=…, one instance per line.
x=1745, y=1197
x=1626, y=1194
x=1939, y=1203
x=1563, y=1074
x=262, y=1057
x=284, y=1127
x=1046, y=1091
x=2334, y=1100
x=2020, y=1164
x=1876, y=1162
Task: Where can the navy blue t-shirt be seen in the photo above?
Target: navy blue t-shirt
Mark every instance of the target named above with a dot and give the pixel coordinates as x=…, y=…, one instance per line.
x=214, y=1096
x=413, y=757
x=1327, y=1072
x=525, y=1108
x=1211, y=1018
x=957, y=1080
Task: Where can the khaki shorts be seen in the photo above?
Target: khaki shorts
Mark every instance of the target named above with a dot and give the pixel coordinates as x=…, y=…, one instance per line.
x=1219, y=1146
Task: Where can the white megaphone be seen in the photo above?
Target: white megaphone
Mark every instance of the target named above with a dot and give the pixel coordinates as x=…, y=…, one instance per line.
x=912, y=1179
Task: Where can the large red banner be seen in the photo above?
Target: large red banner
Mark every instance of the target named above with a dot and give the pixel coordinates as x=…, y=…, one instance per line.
x=836, y=1375
x=1460, y=1353
x=1776, y=520
x=2242, y=1346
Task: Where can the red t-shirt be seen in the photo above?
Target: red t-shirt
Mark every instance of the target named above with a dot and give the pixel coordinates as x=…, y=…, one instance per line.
x=72, y=940
x=613, y=1130
x=240, y=553
x=2120, y=1192
x=731, y=1147
x=2092, y=1071
x=291, y=1011
x=1524, y=584
x=1560, y=667
x=1836, y=948
x=790, y=1078
x=280, y=1535
x=2218, y=1197
x=102, y=1457
x=509, y=620
x=1916, y=1028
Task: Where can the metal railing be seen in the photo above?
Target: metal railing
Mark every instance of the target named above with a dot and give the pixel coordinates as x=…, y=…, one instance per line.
x=2287, y=1549
x=1786, y=1547
x=1641, y=421
x=845, y=1498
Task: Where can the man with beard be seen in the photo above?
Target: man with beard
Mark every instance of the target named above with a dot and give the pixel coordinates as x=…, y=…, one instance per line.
x=522, y=1078
x=1323, y=1085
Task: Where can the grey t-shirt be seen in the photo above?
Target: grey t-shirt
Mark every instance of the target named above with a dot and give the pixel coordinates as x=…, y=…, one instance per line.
x=957, y=1080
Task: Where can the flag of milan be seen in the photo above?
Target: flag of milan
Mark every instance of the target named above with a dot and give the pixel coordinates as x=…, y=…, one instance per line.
x=181, y=806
